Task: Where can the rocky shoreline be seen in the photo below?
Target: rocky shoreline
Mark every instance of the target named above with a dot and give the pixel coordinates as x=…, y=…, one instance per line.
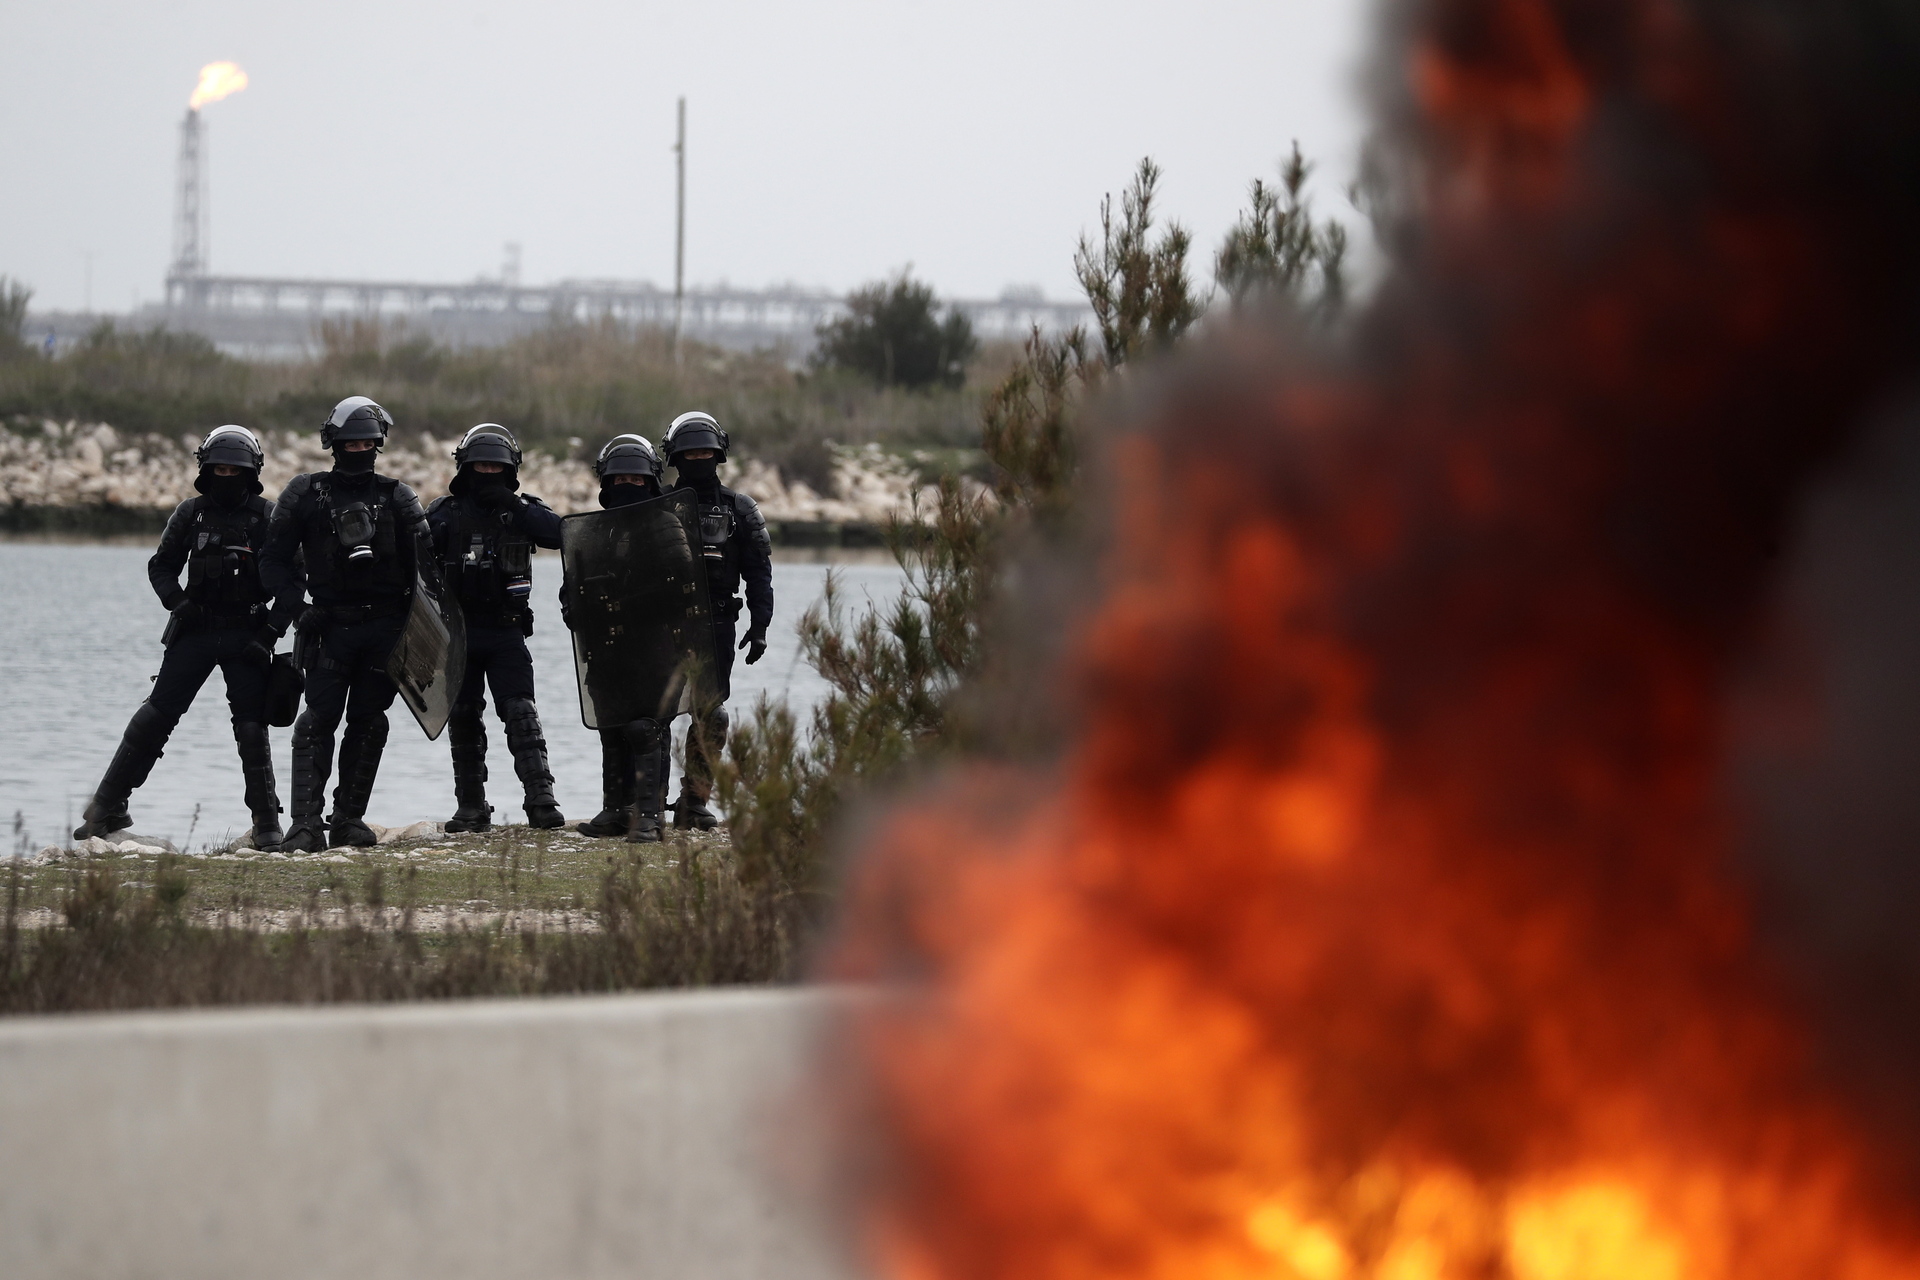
x=88, y=478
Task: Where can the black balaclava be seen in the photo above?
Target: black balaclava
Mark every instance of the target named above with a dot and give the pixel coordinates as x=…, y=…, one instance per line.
x=469, y=481
x=354, y=464
x=703, y=473
x=227, y=490
x=624, y=495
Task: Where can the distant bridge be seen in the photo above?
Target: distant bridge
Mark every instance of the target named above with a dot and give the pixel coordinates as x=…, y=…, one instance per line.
x=280, y=317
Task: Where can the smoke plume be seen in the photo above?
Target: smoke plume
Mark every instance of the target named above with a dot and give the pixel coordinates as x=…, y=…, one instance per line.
x=1484, y=843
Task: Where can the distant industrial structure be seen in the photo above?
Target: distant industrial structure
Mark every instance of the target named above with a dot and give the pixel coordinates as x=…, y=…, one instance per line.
x=274, y=316
x=279, y=317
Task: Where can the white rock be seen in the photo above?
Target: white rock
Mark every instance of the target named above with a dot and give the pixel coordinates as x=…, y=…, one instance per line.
x=413, y=831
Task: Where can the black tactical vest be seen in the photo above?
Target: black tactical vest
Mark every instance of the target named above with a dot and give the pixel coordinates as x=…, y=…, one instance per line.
x=223, y=545
x=333, y=573
x=719, y=522
x=490, y=564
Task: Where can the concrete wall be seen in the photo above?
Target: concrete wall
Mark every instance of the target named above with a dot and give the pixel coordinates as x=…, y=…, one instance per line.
x=607, y=1136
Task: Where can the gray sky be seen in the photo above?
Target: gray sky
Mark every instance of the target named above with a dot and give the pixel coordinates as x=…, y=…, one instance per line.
x=829, y=143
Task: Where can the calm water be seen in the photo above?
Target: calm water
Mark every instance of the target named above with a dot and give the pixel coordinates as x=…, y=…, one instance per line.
x=80, y=634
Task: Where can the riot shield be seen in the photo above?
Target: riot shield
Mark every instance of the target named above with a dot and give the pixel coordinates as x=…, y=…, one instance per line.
x=429, y=661
x=642, y=627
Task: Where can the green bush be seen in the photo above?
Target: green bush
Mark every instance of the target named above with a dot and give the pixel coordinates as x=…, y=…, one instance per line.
x=891, y=335
x=924, y=678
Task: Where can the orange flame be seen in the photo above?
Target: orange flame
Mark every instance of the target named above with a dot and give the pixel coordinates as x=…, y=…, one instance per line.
x=1379, y=921
x=217, y=80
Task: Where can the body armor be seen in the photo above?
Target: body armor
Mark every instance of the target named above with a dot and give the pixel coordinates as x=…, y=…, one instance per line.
x=350, y=534
x=490, y=566
x=223, y=546
x=733, y=539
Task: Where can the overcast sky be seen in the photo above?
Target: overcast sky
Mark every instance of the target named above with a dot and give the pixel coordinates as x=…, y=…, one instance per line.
x=829, y=143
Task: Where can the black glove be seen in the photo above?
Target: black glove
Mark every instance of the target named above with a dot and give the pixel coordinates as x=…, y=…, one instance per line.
x=755, y=643
x=494, y=498
x=260, y=648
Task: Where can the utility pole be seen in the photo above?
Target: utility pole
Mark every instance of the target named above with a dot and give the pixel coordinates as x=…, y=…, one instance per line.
x=679, y=228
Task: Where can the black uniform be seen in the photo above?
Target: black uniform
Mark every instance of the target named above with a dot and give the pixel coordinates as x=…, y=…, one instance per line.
x=485, y=544
x=739, y=553
x=359, y=609
x=226, y=616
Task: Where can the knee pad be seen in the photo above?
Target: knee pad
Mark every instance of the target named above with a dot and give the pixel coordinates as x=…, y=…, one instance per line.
x=643, y=735
x=368, y=730
x=150, y=726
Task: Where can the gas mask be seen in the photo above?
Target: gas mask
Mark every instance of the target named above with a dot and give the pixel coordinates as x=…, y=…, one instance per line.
x=354, y=526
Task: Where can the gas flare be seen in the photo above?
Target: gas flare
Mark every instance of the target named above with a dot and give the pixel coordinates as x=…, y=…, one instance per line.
x=217, y=80
x=1382, y=919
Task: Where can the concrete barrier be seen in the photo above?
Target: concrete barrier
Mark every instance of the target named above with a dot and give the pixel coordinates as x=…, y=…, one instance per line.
x=632, y=1136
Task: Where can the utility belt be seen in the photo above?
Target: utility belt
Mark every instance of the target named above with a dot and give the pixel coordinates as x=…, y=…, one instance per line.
x=208, y=620
x=351, y=613
x=310, y=652
x=727, y=609
x=251, y=619
x=509, y=618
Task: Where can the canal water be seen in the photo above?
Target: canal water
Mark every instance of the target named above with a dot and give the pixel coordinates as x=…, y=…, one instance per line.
x=80, y=642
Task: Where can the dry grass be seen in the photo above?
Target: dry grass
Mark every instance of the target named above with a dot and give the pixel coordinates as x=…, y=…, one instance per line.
x=127, y=933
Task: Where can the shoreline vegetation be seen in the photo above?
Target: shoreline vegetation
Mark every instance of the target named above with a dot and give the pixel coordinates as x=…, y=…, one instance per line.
x=513, y=911
x=101, y=439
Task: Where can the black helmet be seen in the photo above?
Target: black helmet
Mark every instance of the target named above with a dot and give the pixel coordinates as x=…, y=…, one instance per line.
x=488, y=442
x=694, y=430
x=355, y=418
x=627, y=455
x=231, y=446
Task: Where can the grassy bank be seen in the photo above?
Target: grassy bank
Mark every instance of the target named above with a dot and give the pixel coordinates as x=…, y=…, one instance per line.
x=563, y=390
x=512, y=912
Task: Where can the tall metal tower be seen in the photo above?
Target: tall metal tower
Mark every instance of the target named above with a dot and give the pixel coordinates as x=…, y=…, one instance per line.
x=190, y=204
x=190, y=231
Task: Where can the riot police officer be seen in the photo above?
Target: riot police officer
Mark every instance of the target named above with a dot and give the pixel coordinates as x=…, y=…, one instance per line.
x=738, y=552
x=364, y=539
x=633, y=758
x=485, y=533
x=226, y=616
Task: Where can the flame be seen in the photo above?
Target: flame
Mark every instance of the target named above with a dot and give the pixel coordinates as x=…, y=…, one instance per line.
x=217, y=80
x=1379, y=920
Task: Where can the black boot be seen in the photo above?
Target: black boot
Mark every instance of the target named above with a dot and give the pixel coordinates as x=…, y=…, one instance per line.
x=256, y=767
x=644, y=741
x=360, y=750
x=616, y=787
x=467, y=733
x=312, y=762
x=706, y=736
x=529, y=747
x=140, y=746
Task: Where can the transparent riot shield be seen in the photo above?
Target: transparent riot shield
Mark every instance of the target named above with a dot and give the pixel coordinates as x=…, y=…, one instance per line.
x=637, y=603
x=429, y=661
